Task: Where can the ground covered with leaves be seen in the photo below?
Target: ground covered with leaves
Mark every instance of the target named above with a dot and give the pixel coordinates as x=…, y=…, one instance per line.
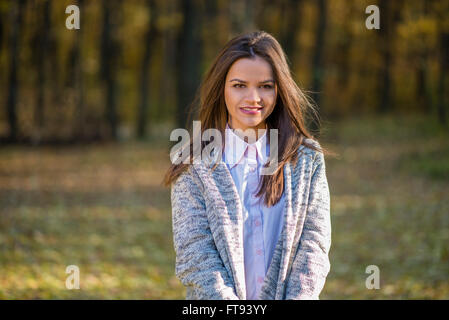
x=103, y=209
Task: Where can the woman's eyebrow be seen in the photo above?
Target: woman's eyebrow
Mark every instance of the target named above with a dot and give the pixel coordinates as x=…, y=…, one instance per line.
x=243, y=81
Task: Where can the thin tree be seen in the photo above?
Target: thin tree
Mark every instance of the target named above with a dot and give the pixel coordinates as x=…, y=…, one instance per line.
x=290, y=27
x=109, y=60
x=189, y=57
x=318, y=58
x=17, y=12
x=443, y=83
x=390, y=16
x=422, y=93
x=41, y=45
x=169, y=35
x=77, y=60
x=150, y=36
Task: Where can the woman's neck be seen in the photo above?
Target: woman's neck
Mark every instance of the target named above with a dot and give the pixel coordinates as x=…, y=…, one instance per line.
x=249, y=131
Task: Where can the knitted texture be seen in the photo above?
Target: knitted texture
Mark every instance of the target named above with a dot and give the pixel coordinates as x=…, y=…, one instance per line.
x=208, y=232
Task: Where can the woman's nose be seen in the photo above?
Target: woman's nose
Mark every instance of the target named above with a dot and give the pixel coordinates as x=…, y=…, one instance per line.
x=253, y=96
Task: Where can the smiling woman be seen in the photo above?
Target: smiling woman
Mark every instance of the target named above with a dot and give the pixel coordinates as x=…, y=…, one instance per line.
x=250, y=93
x=240, y=234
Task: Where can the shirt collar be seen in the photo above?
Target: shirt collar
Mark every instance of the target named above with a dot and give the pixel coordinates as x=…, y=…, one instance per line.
x=235, y=148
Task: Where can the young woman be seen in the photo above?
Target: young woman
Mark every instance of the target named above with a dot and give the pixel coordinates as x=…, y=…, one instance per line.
x=240, y=234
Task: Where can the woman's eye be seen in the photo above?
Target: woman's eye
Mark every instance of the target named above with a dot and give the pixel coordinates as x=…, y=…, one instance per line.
x=240, y=85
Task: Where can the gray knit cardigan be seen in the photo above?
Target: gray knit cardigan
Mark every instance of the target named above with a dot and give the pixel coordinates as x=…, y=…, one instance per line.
x=208, y=232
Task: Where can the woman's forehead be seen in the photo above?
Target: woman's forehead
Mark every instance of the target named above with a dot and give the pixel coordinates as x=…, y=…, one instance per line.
x=250, y=70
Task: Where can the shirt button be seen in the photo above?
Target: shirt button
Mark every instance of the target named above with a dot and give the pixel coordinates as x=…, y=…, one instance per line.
x=260, y=279
x=259, y=252
x=257, y=223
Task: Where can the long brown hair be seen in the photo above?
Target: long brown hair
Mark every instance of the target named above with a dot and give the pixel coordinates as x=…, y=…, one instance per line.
x=288, y=116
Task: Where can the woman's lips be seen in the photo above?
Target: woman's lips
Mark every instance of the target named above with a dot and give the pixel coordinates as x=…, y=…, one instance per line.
x=251, y=110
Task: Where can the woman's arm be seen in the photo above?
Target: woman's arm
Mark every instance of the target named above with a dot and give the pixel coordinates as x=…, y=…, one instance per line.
x=311, y=263
x=198, y=264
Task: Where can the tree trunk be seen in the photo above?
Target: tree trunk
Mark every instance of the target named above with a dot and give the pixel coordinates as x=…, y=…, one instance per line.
x=13, y=90
x=188, y=60
x=290, y=24
x=79, y=130
x=109, y=60
x=389, y=17
x=142, y=111
x=169, y=67
x=422, y=93
x=318, y=67
x=442, y=81
x=385, y=42
x=41, y=58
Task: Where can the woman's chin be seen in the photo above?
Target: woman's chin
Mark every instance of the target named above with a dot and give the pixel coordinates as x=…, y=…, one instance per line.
x=252, y=124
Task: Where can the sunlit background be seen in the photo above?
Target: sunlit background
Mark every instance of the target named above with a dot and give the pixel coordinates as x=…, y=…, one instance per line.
x=86, y=116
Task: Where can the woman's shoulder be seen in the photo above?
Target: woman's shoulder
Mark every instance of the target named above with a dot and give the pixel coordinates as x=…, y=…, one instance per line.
x=310, y=156
x=187, y=179
x=309, y=148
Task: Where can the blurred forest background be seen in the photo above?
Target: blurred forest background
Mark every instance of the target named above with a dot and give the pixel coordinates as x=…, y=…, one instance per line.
x=86, y=116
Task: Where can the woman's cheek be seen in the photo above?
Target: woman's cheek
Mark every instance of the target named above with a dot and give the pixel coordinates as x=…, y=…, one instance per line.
x=233, y=95
x=267, y=98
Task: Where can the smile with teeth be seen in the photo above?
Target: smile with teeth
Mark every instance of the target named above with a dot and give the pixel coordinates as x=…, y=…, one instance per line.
x=251, y=110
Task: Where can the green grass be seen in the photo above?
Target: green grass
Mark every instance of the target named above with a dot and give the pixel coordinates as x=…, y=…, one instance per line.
x=390, y=208
x=434, y=163
x=102, y=208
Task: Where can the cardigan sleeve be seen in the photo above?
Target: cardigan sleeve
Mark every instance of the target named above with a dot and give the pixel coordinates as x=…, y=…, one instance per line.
x=311, y=263
x=198, y=264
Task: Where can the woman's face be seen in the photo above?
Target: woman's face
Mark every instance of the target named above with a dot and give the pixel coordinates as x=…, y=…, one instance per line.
x=250, y=93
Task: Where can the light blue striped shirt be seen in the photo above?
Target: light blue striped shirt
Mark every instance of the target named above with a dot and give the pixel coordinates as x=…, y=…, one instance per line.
x=262, y=225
